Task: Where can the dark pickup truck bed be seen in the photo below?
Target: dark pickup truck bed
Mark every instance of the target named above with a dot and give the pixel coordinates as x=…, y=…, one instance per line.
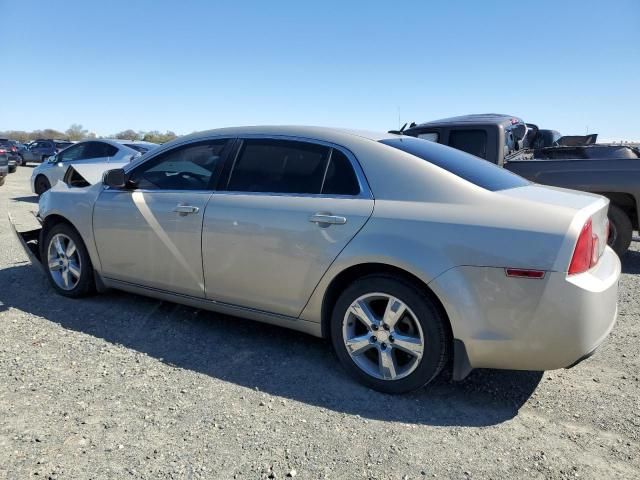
x=609, y=170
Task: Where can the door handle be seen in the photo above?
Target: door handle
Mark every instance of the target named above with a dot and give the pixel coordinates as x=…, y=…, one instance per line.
x=327, y=219
x=185, y=209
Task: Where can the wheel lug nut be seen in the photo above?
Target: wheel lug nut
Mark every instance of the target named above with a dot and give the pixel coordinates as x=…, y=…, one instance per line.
x=384, y=346
x=391, y=339
x=373, y=339
x=375, y=327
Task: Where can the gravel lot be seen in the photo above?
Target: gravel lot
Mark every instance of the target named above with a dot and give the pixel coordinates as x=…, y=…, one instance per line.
x=121, y=386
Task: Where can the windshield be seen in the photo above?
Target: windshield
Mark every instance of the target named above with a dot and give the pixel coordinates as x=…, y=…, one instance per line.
x=468, y=167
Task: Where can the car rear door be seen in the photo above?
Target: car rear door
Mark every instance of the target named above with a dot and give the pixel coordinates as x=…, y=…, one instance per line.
x=289, y=208
x=150, y=233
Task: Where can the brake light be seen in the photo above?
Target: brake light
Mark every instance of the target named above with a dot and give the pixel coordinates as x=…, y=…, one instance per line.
x=585, y=254
x=2, y=150
x=13, y=149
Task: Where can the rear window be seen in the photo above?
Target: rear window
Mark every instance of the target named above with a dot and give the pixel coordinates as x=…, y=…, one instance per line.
x=138, y=147
x=470, y=141
x=468, y=167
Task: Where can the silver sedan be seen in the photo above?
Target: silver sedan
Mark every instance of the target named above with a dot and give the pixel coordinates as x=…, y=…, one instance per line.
x=404, y=253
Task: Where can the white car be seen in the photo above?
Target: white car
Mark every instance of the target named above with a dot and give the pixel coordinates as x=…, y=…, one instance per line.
x=105, y=152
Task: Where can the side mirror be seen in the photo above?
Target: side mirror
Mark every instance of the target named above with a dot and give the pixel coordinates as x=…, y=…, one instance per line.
x=115, y=178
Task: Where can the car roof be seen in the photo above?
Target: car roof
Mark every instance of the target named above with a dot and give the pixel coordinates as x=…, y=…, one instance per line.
x=327, y=134
x=474, y=119
x=122, y=141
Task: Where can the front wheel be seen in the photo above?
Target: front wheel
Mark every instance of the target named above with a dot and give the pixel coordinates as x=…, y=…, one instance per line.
x=67, y=262
x=620, y=230
x=389, y=334
x=41, y=184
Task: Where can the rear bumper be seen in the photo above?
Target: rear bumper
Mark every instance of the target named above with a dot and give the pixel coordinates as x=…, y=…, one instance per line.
x=529, y=324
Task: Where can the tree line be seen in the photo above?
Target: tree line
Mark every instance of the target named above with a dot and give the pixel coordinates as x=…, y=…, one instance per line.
x=78, y=132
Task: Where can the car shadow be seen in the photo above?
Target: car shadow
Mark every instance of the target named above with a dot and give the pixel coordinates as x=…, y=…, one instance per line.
x=29, y=199
x=258, y=356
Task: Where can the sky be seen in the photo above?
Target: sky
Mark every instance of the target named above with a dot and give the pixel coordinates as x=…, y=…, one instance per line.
x=185, y=66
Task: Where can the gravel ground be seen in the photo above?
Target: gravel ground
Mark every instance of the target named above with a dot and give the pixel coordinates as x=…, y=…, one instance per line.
x=121, y=386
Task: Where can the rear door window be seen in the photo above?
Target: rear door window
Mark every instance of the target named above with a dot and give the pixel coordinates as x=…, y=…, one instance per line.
x=340, y=178
x=470, y=141
x=279, y=166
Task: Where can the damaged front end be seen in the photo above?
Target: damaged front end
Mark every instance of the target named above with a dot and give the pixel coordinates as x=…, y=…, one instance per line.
x=29, y=238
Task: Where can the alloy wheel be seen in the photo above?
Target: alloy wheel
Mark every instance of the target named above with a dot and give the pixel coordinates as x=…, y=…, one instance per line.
x=383, y=336
x=63, y=260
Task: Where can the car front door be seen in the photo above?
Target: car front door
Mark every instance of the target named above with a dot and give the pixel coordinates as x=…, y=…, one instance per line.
x=289, y=208
x=149, y=233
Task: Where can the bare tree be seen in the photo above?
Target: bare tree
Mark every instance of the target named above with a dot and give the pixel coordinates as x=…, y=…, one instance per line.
x=127, y=135
x=76, y=132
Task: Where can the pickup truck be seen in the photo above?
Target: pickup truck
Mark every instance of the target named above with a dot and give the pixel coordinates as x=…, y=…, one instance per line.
x=577, y=162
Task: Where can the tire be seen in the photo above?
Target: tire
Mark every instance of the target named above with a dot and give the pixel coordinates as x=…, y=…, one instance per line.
x=2, y=181
x=41, y=184
x=620, y=230
x=422, y=320
x=23, y=163
x=78, y=285
x=13, y=168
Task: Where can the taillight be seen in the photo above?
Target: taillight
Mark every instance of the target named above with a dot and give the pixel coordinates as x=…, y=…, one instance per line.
x=586, y=253
x=2, y=150
x=13, y=149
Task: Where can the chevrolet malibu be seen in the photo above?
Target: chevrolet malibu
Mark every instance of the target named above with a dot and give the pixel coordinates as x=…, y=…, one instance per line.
x=406, y=254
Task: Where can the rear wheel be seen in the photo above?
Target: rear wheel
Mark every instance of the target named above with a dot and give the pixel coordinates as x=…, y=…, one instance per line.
x=23, y=162
x=620, y=230
x=67, y=262
x=388, y=334
x=41, y=184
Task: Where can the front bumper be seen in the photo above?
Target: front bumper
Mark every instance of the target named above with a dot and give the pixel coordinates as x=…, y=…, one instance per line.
x=529, y=324
x=29, y=240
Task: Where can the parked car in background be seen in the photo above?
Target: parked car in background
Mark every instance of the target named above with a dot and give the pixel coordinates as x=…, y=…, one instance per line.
x=41, y=150
x=13, y=159
x=457, y=258
x=571, y=161
x=21, y=150
x=4, y=165
x=104, y=152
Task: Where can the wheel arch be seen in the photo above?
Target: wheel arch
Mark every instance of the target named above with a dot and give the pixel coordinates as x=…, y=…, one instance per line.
x=354, y=272
x=51, y=221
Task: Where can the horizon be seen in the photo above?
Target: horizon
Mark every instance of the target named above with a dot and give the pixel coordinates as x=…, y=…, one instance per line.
x=158, y=68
